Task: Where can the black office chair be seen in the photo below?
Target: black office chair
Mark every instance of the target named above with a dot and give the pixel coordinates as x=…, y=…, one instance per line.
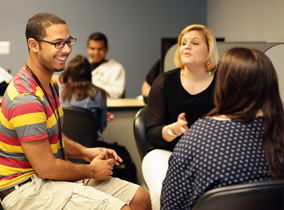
x=268, y=195
x=139, y=128
x=81, y=125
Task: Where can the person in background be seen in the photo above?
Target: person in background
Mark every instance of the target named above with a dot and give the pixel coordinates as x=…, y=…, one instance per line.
x=240, y=141
x=177, y=99
x=77, y=90
x=150, y=78
x=33, y=151
x=107, y=74
x=5, y=79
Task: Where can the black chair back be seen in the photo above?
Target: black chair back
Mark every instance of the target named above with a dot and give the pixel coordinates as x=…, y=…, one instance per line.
x=268, y=195
x=139, y=128
x=81, y=125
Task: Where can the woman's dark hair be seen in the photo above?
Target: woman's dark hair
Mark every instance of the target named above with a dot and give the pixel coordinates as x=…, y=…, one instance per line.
x=77, y=78
x=246, y=81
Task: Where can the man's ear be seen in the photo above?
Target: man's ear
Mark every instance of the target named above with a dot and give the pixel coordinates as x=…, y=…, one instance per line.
x=33, y=45
x=106, y=49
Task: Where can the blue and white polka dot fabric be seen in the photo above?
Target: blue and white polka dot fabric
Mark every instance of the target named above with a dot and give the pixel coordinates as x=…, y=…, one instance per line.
x=213, y=154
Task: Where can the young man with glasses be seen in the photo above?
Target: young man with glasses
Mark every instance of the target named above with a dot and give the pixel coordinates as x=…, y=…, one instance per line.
x=34, y=170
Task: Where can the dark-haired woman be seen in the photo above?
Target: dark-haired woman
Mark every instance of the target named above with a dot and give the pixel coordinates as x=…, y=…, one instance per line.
x=240, y=141
x=77, y=89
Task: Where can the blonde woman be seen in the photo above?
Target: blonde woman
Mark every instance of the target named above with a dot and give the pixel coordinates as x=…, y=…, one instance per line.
x=177, y=99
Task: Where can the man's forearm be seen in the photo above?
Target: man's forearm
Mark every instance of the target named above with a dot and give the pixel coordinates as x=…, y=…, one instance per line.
x=67, y=171
x=43, y=161
x=73, y=149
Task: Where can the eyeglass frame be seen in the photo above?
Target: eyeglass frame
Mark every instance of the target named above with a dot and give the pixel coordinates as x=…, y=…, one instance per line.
x=54, y=43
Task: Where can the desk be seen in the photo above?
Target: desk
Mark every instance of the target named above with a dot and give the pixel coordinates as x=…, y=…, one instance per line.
x=121, y=129
x=124, y=103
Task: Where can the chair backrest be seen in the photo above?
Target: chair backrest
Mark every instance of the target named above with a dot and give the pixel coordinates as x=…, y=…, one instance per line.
x=81, y=125
x=139, y=128
x=252, y=196
x=276, y=55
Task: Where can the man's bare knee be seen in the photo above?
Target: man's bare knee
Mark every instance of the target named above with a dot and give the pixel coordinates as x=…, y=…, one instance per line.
x=125, y=207
x=141, y=200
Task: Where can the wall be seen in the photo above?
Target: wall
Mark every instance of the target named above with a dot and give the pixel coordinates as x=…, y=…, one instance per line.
x=247, y=20
x=134, y=29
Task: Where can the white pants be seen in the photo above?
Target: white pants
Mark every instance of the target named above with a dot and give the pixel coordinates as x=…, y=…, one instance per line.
x=154, y=169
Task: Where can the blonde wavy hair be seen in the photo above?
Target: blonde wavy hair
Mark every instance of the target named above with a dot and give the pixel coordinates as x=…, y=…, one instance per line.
x=213, y=55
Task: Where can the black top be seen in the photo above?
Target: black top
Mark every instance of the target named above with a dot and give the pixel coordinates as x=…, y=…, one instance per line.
x=214, y=154
x=153, y=73
x=167, y=99
x=95, y=65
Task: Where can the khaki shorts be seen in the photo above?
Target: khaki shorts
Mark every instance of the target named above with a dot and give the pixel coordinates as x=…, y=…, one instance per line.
x=52, y=195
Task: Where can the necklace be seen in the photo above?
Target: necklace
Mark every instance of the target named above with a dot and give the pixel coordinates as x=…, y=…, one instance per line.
x=49, y=102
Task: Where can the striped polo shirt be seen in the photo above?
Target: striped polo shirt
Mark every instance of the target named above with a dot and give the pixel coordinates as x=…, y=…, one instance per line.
x=26, y=115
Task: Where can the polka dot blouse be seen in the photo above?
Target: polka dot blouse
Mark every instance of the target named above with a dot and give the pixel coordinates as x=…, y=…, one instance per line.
x=213, y=154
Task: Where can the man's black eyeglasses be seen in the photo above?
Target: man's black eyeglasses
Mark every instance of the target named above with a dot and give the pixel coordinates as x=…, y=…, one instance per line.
x=59, y=45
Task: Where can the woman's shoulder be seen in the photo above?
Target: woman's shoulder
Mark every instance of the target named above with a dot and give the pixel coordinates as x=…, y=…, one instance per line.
x=170, y=75
x=172, y=72
x=99, y=91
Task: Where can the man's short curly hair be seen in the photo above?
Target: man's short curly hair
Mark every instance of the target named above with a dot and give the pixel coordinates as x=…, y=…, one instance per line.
x=38, y=23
